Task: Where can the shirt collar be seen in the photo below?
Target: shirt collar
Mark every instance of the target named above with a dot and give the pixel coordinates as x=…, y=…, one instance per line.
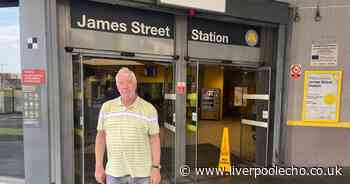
x=130, y=106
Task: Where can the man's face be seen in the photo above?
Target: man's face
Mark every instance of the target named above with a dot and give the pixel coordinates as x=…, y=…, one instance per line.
x=126, y=86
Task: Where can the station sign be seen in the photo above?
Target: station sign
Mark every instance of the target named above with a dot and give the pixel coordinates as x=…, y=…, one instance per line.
x=210, y=31
x=119, y=19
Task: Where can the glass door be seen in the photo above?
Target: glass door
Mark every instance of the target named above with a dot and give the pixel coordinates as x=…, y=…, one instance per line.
x=255, y=121
x=167, y=124
x=192, y=118
x=94, y=83
x=85, y=118
x=78, y=104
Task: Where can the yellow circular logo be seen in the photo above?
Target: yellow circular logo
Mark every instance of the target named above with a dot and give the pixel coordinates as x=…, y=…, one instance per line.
x=329, y=99
x=251, y=37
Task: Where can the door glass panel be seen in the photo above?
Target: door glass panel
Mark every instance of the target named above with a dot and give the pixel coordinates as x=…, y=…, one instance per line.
x=167, y=124
x=94, y=83
x=255, y=119
x=78, y=128
x=192, y=117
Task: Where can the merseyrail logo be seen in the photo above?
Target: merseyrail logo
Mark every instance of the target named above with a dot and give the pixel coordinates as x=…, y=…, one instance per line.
x=251, y=37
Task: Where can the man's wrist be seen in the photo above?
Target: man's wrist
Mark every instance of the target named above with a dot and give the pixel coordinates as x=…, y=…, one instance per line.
x=99, y=166
x=156, y=166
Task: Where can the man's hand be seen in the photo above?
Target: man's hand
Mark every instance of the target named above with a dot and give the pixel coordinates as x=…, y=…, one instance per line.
x=155, y=176
x=100, y=147
x=100, y=175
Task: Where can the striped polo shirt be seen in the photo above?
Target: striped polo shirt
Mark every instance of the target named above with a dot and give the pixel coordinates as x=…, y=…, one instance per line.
x=127, y=136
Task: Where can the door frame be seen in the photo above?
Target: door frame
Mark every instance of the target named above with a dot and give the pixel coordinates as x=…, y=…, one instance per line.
x=265, y=97
x=245, y=66
x=84, y=53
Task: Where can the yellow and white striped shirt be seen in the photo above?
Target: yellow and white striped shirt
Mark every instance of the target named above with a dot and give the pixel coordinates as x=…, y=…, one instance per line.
x=127, y=136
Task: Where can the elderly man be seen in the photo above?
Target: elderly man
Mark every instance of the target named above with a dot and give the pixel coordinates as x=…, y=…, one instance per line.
x=128, y=126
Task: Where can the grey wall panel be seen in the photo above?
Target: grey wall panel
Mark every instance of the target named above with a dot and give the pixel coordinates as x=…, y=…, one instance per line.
x=121, y=42
x=329, y=30
x=278, y=104
x=325, y=147
x=180, y=103
x=53, y=93
x=312, y=146
x=223, y=52
x=36, y=139
x=268, y=11
x=66, y=93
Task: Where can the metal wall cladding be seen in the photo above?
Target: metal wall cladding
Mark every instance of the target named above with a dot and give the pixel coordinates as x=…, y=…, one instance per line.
x=327, y=146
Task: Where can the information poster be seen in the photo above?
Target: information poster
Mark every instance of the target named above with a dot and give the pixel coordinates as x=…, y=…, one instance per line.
x=238, y=96
x=324, y=55
x=322, y=91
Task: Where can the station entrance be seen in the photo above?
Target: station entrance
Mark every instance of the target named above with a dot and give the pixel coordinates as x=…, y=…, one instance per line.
x=94, y=83
x=227, y=96
x=218, y=96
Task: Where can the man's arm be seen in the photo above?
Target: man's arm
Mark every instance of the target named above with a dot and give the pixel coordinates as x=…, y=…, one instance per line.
x=100, y=146
x=155, y=148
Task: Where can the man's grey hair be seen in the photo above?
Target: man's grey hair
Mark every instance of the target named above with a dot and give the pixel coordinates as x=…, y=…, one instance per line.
x=125, y=70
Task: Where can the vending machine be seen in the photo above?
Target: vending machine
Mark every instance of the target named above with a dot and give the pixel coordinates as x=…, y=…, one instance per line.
x=210, y=104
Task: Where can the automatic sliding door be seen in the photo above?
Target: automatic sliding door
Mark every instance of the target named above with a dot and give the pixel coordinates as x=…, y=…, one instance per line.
x=192, y=117
x=78, y=104
x=94, y=83
x=256, y=121
x=167, y=125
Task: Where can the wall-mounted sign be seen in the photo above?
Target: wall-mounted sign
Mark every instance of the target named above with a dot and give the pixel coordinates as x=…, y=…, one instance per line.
x=223, y=33
x=117, y=19
x=180, y=87
x=322, y=91
x=324, y=55
x=238, y=96
x=210, y=5
x=33, y=77
x=295, y=71
x=32, y=43
x=31, y=106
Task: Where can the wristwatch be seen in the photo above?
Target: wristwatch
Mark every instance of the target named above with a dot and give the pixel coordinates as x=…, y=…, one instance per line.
x=157, y=166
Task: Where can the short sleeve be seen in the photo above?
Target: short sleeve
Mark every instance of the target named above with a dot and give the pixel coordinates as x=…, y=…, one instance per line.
x=153, y=125
x=100, y=123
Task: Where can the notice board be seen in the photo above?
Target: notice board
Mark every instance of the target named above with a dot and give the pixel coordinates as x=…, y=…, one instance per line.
x=322, y=92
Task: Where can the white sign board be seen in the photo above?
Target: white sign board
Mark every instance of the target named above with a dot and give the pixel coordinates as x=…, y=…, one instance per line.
x=324, y=55
x=322, y=96
x=238, y=96
x=266, y=114
x=238, y=100
x=210, y=5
